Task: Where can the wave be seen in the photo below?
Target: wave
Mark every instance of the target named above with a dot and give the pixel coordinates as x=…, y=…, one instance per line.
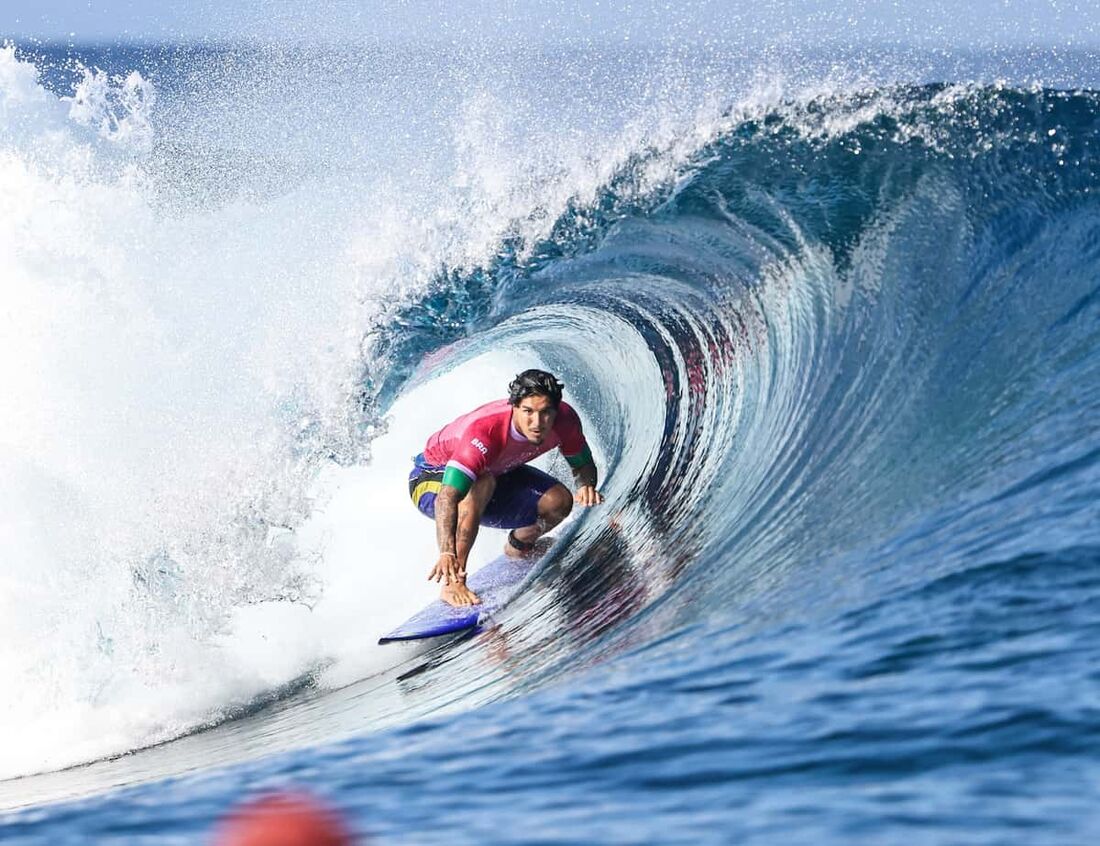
x=849, y=347
x=827, y=343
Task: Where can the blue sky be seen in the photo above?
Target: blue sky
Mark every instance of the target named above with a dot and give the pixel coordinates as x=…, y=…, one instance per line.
x=924, y=22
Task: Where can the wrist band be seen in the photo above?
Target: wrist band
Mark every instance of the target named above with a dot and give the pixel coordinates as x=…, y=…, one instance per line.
x=455, y=557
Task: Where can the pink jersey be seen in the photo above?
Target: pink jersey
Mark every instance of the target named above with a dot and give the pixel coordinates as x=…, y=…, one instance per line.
x=485, y=441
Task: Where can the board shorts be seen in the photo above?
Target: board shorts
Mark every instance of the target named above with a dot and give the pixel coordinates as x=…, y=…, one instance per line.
x=515, y=500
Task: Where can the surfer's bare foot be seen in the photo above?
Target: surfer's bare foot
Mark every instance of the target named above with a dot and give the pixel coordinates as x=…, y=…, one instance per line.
x=459, y=595
x=540, y=548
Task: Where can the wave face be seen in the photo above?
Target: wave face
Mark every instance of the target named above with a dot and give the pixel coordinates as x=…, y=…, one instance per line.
x=851, y=347
x=840, y=353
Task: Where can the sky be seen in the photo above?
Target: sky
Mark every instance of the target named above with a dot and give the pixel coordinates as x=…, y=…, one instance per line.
x=1038, y=23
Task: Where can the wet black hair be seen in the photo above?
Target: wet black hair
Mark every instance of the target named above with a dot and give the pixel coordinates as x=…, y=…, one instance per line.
x=535, y=382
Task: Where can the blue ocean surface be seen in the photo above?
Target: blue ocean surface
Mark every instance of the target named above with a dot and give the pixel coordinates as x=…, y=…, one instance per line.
x=833, y=327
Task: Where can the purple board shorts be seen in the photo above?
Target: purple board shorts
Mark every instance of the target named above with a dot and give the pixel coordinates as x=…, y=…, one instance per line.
x=515, y=500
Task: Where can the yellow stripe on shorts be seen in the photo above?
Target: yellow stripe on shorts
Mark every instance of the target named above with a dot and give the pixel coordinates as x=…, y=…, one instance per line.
x=423, y=488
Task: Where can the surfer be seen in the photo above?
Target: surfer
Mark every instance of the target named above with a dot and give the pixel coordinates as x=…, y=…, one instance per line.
x=474, y=472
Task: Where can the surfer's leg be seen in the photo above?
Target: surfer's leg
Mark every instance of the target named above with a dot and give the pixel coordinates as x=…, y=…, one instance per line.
x=518, y=501
x=529, y=502
x=553, y=507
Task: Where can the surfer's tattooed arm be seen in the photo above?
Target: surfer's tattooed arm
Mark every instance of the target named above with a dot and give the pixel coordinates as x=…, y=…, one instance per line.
x=448, y=567
x=587, y=478
x=456, y=520
x=469, y=518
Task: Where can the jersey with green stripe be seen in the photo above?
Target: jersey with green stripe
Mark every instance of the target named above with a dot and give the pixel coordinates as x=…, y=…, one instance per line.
x=486, y=442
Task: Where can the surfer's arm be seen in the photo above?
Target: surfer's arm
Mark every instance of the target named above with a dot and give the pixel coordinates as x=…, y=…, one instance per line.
x=457, y=517
x=458, y=507
x=465, y=488
x=449, y=567
x=579, y=456
x=586, y=477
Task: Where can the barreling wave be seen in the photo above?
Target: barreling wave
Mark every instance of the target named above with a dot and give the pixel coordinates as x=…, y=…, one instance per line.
x=844, y=343
x=825, y=345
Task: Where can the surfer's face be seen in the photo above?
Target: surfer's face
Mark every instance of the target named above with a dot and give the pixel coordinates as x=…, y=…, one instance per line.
x=534, y=418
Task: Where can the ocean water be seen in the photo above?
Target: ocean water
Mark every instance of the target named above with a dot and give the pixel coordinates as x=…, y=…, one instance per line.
x=832, y=322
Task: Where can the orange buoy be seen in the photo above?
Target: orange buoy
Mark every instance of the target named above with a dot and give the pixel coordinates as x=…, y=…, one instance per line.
x=283, y=819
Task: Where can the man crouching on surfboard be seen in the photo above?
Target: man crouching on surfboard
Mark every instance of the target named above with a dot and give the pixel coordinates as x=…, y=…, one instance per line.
x=474, y=472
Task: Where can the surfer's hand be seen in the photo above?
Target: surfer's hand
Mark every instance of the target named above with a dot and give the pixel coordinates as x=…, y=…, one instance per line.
x=587, y=495
x=458, y=594
x=449, y=569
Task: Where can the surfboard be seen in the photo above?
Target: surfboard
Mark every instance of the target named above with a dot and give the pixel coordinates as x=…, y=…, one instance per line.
x=495, y=583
